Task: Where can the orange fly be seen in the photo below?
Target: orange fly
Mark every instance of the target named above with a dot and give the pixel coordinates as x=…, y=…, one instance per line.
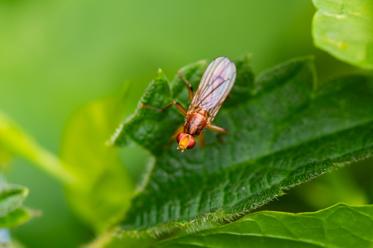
x=215, y=85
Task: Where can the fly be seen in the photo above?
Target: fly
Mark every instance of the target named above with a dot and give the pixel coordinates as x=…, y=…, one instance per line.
x=215, y=85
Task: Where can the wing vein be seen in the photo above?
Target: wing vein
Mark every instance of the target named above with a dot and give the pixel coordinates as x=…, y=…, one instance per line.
x=214, y=87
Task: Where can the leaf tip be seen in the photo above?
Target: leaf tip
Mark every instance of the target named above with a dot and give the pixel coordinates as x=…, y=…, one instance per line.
x=161, y=75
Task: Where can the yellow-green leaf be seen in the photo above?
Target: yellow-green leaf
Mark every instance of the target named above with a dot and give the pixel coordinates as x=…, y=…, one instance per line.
x=344, y=28
x=104, y=190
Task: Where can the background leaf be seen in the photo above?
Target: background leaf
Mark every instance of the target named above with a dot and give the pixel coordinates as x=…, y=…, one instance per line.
x=104, y=189
x=275, y=142
x=12, y=213
x=345, y=29
x=339, y=186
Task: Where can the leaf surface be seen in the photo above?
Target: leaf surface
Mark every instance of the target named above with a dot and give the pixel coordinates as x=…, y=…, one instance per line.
x=285, y=131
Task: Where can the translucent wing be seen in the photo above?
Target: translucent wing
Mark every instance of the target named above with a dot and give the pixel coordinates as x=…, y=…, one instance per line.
x=216, y=83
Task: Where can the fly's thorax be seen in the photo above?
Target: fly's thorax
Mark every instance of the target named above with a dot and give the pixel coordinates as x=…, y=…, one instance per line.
x=195, y=122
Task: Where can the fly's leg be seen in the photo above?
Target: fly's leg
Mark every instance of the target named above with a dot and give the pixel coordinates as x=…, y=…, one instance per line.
x=147, y=106
x=201, y=139
x=188, y=85
x=217, y=129
x=178, y=106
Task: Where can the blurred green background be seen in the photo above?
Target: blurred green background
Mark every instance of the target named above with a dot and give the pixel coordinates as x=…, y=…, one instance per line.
x=58, y=55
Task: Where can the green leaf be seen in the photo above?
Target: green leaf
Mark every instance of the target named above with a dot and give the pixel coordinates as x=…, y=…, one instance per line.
x=12, y=213
x=345, y=29
x=104, y=189
x=286, y=132
x=17, y=217
x=338, y=226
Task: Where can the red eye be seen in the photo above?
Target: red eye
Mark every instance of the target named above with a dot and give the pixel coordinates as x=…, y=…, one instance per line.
x=179, y=136
x=192, y=142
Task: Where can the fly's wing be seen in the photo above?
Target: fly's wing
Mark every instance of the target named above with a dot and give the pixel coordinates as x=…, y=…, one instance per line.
x=215, y=85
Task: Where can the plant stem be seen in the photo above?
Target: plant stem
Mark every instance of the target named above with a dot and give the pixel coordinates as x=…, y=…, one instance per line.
x=16, y=141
